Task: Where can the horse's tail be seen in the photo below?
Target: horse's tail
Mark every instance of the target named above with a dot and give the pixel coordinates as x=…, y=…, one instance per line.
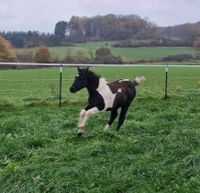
x=138, y=80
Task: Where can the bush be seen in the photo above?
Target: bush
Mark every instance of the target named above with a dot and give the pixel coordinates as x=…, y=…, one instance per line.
x=43, y=55
x=26, y=56
x=196, y=43
x=179, y=58
x=79, y=58
x=7, y=53
x=151, y=43
x=104, y=55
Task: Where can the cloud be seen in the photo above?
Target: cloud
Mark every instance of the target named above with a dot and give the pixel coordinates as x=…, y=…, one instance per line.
x=42, y=15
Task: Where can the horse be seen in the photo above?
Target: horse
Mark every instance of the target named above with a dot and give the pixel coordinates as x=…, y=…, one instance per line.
x=104, y=96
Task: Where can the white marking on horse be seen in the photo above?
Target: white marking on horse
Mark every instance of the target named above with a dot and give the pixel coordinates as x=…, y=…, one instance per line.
x=123, y=80
x=106, y=93
x=107, y=127
x=77, y=75
x=87, y=115
x=81, y=116
x=139, y=79
x=119, y=90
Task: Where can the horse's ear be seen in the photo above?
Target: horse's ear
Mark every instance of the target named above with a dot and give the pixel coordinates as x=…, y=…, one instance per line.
x=87, y=68
x=83, y=68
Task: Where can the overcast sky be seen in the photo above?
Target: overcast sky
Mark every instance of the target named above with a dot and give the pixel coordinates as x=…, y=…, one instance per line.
x=42, y=15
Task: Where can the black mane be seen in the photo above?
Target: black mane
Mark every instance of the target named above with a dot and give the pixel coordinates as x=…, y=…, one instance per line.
x=93, y=80
x=92, y=75
x=94, y=96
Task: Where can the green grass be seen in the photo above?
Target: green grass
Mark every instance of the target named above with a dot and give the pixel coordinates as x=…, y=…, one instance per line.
x=93, y=45
x=131, y=54
x=150, y=53
x=156, y=150
x=143, y=53
x=42, y=85
x=25, y=86
x=62, y=52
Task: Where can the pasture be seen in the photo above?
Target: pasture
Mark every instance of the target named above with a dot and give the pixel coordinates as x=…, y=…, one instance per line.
x=132, y=54
x=143, y=53
x=156, y=150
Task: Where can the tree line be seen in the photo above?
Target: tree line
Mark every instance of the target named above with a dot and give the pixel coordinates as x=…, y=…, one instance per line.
x=82, y=29
x=29, y=39
x=108, y=27
x=130, y=30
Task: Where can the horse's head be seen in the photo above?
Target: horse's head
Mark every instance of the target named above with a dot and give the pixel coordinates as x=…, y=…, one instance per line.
x=80, y=81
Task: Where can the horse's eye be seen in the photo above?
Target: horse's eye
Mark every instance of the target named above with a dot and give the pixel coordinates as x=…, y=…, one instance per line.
x=79, y=77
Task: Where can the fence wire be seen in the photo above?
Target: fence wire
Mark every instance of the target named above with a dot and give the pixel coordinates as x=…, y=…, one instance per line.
x=43, y=84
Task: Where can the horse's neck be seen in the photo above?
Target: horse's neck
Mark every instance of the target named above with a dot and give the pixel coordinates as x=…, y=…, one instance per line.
x=102, y=84
x=95, y=83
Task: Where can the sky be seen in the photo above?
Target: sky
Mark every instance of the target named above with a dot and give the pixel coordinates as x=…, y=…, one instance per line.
x=42, y=15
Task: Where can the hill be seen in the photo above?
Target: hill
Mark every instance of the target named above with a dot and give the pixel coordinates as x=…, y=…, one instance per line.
x=184, y=34
x=107, y=28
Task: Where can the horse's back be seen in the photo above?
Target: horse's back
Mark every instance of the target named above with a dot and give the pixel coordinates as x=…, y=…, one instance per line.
x=125, y=92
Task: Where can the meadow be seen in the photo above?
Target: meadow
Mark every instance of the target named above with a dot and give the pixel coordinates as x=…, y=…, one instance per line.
x=156, y=150
x=128, y=54
x=143, y=53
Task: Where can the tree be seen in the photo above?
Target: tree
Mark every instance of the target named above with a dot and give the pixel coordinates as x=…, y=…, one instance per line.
x=7, y=52
x=60, y=29
x=196, y=43
x=77, y=29
x=43, y=55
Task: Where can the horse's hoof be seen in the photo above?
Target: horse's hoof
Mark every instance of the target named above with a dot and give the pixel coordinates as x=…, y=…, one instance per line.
x=80, y=134
x=106, y=128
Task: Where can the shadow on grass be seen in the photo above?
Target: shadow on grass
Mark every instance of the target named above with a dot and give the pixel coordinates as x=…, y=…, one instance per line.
x=54, y=101
x=30, y=102
x=5, y=105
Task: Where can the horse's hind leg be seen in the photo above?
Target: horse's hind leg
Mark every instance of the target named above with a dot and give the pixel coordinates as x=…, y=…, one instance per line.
x=112, y=118
x=122, y=116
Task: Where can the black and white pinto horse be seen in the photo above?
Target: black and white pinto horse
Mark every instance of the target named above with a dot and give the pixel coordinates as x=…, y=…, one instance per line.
x=104, y=96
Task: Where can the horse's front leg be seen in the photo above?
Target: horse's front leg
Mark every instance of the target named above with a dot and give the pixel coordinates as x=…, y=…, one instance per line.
x=81, y=117
x=84, y=116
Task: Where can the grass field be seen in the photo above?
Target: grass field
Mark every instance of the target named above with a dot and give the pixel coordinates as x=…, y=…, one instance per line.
x=131, y=54
x=157, y=149
x=43, y=84
x=143, y=53
x=128, y=53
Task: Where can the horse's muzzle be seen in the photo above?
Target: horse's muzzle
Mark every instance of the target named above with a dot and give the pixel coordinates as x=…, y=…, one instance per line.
x=72, y=90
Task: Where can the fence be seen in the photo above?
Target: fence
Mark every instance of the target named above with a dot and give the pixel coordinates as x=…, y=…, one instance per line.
x=163, y=80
